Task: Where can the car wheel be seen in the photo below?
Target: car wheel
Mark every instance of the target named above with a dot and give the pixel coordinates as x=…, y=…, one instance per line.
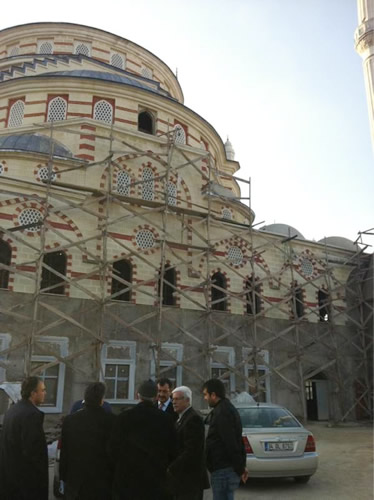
x=302, y=479
x=56, y=490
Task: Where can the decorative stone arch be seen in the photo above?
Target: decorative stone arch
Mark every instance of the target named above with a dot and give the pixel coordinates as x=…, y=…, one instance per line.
x=118, y=166
x=237, y=259
x=134, y=275
x=178, y=283
x=13, y=259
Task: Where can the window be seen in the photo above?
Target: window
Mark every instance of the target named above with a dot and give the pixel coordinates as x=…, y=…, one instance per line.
x=169, y=360
x=123, y=183
x=147, y=72
x=118, y=370
x=179, y=134
x=47, y=175
x=16, y=114
x=257, y=374
x=5, y=258
x=45, y=351
x=121, y=271
x=218, y=295
x=51, y=283
x=324, y=305
x=103, y=111
x=31, y=217
x=57, y=109
x=168, y=299
x=298, y=302
x=148, y=184
x=171, y=188
x=221, y=360
x=13, y=51
x=145, y=239
x=45, y=47
x=145, y=122
x=82, y=48
x=235, y=255
x=4, y=344
x=226, y=214
x=253, y=303
x=118, y=61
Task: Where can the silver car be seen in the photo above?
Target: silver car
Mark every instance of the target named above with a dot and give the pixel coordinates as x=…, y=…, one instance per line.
x=276, y=443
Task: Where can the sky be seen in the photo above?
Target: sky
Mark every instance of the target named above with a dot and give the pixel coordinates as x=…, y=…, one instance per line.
x=280, y=78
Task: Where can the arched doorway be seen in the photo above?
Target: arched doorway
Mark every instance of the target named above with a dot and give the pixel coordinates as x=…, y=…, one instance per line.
x=316, y=393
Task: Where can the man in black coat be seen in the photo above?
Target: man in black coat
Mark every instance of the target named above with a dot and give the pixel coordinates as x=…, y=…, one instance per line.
x=142, y=446
x=187, y=473
x=164, y=401
x=225, y=452
x=85, y=465
x=23, y=448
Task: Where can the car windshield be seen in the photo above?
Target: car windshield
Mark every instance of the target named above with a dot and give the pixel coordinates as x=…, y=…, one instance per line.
x=267, y=417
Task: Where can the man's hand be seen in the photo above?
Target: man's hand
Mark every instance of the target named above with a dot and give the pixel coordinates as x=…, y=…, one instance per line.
x=244, y=476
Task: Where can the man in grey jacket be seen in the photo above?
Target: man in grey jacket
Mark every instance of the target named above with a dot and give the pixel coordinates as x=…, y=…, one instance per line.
x=225, y=452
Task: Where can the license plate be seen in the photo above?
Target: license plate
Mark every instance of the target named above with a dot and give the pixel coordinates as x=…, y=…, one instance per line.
x=286, y=446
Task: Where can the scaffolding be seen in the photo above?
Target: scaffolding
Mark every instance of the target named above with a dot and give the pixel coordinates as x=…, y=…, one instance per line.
x=189, y=235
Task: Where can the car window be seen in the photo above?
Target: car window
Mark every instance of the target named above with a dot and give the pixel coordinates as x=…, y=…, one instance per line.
x=267, y=417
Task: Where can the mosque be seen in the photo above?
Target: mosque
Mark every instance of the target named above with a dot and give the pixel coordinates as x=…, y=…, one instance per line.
x=128, y=251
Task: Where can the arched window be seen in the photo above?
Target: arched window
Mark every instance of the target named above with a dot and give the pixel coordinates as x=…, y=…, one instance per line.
x=168, y=299
x=51, y=283
x=218, y=294
x=148, y=184
x=147, y=72
x=172, y=193
x=145, y=122
x=118, y=61
x=179, y=134
x=103, y=111
x=122, y=272
x=123, y=183
x=324, y=305
x=83, y=49
x=57, y=109
x=16, y=114
x=253, y=300
x=5, y=256
x=298, y=302
x=45, y=48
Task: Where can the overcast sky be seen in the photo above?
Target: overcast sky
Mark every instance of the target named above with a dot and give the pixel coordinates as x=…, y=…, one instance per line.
x=281, y=78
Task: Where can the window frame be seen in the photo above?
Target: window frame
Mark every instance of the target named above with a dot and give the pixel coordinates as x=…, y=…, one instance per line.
x=265, y=367
x=131, y=362
x=231, y=362
x=164, y=363
x=63, y=343
x=5, y=339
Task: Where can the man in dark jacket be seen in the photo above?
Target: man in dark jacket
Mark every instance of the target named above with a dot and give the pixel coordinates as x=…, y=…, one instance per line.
x=225, y=452
x=142, y=446
x=187, y=472
x=23, y=448
x=164, y=401
x=85, y=466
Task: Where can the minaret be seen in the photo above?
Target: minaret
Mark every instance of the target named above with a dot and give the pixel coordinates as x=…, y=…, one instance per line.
x=230, y=153
x=364, y=43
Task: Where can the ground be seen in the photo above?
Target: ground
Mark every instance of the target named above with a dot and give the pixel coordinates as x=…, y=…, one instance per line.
x=345, y=469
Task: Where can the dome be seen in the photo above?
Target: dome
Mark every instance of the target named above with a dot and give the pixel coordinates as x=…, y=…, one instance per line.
x=339, y=241
x=283, y=229
x=230, y=153
x=36, y=143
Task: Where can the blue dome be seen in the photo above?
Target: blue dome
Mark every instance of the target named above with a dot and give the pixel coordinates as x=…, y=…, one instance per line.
x=34, y=142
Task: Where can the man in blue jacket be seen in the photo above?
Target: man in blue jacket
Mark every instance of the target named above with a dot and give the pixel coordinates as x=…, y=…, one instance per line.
x=225, y=452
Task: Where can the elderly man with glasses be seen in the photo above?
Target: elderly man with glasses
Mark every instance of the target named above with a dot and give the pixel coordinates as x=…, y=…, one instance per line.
x=187, y=473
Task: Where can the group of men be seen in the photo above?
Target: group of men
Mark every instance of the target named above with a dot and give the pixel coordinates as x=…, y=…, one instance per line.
x=156, y=450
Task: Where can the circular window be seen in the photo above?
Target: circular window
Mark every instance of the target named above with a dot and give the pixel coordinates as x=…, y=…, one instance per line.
x=45, y=175
x=30, y=216
x=306, y=267
x=235, y=255
x=145, y=239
